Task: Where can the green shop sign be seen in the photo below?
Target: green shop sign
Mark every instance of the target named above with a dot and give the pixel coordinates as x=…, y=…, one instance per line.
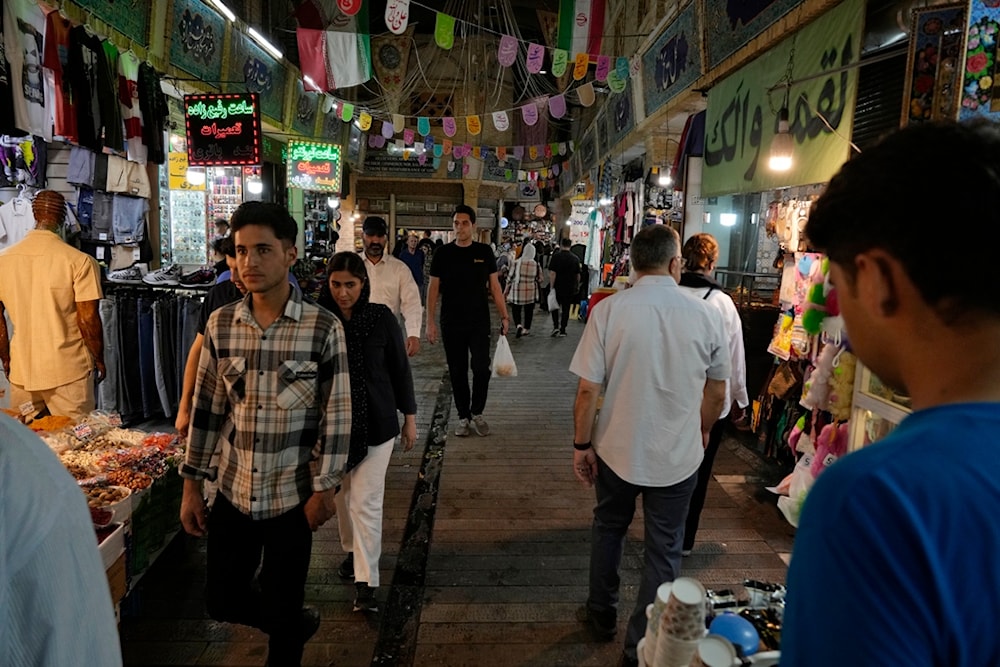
x=314, y=166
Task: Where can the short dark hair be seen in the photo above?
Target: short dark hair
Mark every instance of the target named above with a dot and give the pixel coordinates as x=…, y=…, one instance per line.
x=221, y=222
x=468, y=210
x=654, y=247
x=565, y=242
x=266, y=214
x=225, y=246
x=882, y=199
x=350, y=262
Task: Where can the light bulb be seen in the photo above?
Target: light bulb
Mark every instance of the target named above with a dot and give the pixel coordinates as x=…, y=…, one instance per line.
x=333, y=202
x=781, y=145
x=254, y=186
x=665, y=180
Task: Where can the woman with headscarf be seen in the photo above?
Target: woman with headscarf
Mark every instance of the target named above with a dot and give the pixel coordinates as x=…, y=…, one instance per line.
x=381, y=384
x=522, y=289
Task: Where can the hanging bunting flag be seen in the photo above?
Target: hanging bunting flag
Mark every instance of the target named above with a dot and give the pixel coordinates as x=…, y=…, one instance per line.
x=380, y=141
x=557, y=106
x=548, y=150
x=398, y=122
x=522, y=175
x=603, y=67
x=424, y=126
x=565, y=165
x=446, y=146
x=615, y=82
x=562, y=148
x=586, y=94
x=349, y=7
x=365, y=121
x=347, y=112
x=438, y=150
x=507, y=51
x=436, y=162
x=451, y=165
x=444, y=31
x=581, y=24
x=484, y=152
x=533, y=152
x=397, y=16
x=555, y=169
x=466, y=150
x=329, y=104
x=536, y=55
x=407, y=153
x=429, y=143
x=465, y=168
x=473, y=125
x=372, y=140
x=529, y=112
x=502, y=153
x=399, y=144
x=621, y=66
x=387, y=130
x=500, y=121
x=580, y=67
x=419, y=149
x=457, y=152
x=508, y=174
x=635, y=66
x=450, y=126
x=560, y=58
x=408, y=136
x=519, y=152
x=422, y=159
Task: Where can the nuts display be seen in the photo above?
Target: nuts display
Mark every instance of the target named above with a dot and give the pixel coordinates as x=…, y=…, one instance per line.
x=102, y=495
x=133, y=480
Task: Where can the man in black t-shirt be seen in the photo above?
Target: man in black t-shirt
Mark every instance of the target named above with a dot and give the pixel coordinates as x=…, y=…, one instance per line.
x=464, y=272
x=564, y=276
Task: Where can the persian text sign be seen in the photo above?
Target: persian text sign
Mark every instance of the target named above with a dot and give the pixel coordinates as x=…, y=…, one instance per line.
x=314, y=166
x=222, y=129
x=742, y=115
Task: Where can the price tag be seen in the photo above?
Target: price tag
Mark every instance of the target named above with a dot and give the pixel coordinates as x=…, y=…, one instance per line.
x=26, y=408
x=115, y=419
x=83, y=431
x=100, y=252
x=102, y=236
x=135, y=254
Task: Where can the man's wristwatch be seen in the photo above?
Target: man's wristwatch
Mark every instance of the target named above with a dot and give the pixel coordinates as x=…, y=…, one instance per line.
x=581, y=447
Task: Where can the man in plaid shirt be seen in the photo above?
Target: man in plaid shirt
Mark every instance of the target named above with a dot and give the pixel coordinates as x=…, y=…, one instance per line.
x=273, y=395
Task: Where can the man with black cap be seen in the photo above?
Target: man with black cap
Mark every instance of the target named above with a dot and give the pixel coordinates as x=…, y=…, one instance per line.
x=391, y=281
x=51, y=293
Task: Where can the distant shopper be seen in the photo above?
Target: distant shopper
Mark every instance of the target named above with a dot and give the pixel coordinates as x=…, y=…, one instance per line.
x=663, y=358
x=701, y=254
x=273, y=396
x=221, y=229
x=381, y=385
x=391, y=281
x=413, y=257
x=464, y=273
x=564, y=278
x=56, y=607
x=51, y=293
x=522, y=291
x=896, y=551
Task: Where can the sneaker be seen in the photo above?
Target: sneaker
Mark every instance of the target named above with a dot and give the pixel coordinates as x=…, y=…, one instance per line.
x=555, y=332
x=520, y=331
x=562, y=334
x=526, y=332
x=310, y=622
x=480, y=425
x=130, y=275
x=462, y=429
x=346, y=569
x=199, y=278
x=364, y=599
x=168, y=275
x=603, y=624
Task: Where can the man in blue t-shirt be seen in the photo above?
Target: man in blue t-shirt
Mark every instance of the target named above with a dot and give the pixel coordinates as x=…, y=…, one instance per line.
x=464, y=273
x=895, y=561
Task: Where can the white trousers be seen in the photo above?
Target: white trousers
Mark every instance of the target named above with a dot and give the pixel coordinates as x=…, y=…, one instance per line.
x=359, y=512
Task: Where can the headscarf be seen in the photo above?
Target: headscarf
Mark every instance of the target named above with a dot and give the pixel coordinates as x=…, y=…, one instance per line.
x=365, y=317
x=527, y=254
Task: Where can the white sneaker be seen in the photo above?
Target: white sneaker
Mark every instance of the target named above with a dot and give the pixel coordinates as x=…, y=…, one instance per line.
x=131, y=274
x=480, y=425
x=168, y=275
x=462, y=429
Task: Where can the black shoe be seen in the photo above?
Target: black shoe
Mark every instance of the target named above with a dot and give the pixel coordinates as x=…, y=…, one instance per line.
x=555, y=332
x=310, y=622
x=365, y=598
x=562, y=334
x=346, y=569
x=603, y=624
x=520, y=331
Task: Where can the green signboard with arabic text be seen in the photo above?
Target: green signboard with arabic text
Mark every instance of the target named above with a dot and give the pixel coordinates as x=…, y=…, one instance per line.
x=314, y=166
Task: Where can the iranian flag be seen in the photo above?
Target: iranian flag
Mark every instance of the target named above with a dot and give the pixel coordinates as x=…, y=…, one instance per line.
x=581, y=23
x=339, y=56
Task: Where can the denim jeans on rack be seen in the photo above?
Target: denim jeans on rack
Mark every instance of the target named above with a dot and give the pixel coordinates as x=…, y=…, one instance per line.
x=147, y=373
x=158, y=375
x=107, y=391
x=130, y=383
x=168, y=349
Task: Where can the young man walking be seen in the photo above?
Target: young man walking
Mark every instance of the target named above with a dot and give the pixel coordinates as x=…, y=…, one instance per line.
x=564, y=277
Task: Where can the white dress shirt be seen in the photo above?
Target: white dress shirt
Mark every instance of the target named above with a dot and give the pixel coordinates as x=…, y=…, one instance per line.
x=393, y=285
x=654, y=346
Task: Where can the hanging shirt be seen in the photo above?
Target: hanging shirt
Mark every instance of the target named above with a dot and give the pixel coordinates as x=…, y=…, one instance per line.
x=7, y=125
x=107, y=86
x=24, y=31
x=153, y=106
x=56, y=59
x=82, y=73
x=128, y=97
x=16, y=220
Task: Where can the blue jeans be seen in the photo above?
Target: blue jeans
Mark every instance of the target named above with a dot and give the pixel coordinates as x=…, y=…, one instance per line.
x=664, y=510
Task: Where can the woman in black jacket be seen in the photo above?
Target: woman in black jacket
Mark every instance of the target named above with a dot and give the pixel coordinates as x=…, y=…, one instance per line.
x=381, y=384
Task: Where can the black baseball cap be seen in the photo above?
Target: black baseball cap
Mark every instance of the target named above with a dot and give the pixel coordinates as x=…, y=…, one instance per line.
x=375, y=226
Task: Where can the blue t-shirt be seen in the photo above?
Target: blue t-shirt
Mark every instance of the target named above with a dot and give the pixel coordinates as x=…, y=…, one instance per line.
x=897, y=557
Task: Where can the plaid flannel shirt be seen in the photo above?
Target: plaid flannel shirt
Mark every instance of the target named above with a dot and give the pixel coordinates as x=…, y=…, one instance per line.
x=277, y=403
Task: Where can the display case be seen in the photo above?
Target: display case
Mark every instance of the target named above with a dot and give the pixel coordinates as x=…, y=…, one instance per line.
x=188, y=227
x=225, y=191
x=876, y=409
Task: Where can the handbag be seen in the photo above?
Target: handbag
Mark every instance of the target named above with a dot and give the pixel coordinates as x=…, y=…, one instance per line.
x=784, y=381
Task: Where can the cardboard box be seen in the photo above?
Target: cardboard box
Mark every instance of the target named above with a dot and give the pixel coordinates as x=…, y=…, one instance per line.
x=116, y=579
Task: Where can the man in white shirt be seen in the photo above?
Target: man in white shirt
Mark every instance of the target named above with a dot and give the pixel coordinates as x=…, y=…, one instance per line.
x=664, y=361
x=391, y=281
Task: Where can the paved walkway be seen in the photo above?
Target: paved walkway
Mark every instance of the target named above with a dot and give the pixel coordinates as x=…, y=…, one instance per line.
x=486, y=543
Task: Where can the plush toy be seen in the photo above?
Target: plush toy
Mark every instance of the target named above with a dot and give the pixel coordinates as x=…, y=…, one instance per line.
x=830, y=446
x=842, y=386
x=816, y=296
x=816, y=390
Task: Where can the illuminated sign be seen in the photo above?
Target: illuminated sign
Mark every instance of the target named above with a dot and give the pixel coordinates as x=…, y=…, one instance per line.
x=314, y=166
x=223, y=129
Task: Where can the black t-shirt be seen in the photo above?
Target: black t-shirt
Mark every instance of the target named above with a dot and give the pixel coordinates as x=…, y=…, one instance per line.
x=464, y=275
x=567, y=268
x=221, y=295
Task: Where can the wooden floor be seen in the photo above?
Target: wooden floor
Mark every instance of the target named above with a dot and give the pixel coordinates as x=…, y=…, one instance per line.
x=494, y=536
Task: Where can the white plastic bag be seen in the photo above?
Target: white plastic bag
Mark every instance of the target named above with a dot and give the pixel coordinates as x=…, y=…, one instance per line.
x=553, y=302
x=503, y=360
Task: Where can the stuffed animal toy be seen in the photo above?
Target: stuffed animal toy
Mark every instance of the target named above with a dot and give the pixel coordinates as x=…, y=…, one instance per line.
x=815, y=309
x=842, y=386
x=830, y=446
x=816, y=391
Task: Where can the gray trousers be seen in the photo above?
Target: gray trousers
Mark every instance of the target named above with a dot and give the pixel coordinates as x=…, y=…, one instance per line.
x=107, y=391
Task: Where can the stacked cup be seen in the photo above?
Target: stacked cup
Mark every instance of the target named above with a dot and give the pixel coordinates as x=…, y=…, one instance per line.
x=682, y=624
x=714, y=651
x=653, y=613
